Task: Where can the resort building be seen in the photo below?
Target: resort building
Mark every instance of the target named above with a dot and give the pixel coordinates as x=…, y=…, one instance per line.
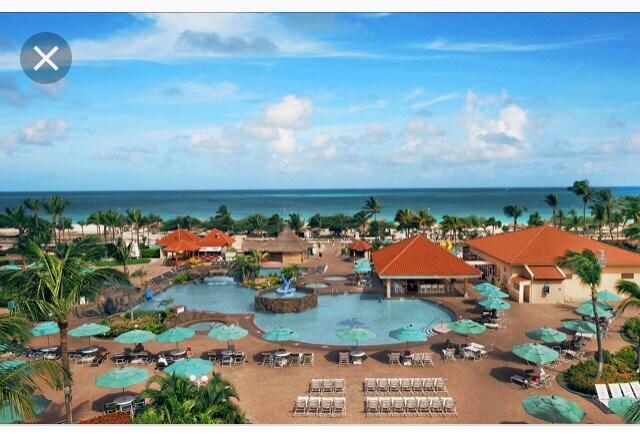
x=525, y=263
x=287, y=247
x=418, y=266
x=360, y=249
x=215, y=244
x=183, y=245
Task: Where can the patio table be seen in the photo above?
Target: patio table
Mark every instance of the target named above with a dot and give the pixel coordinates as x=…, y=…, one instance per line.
x=124, y=400
x=228, y=352
x=48, y=349
x=283, y=354
x=90, y=350
x=177, y=354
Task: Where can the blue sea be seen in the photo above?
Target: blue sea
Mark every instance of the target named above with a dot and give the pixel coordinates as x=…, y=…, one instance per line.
x=487, y=202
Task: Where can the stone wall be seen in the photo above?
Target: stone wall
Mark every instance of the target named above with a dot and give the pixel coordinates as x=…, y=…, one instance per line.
x=187, y=317
x=111, y=300
x=286, y=305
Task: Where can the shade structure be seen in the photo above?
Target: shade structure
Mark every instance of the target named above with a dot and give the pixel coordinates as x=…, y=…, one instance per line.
x=135, y=336
x=553, y=409
x=494, y=303
x=466, y=327
x=228, y=333
x=536, y=353
x=11, y=414
x=46, y=328
x=486, y=287
x=356, y=334
x=8, y=365
x=546, y=334
x=362, y=265
x=121, y=378
x=609, y=296
x=175, y=335
x=494, y=293
x=188, y=367
x=281, y=334
x=620, y=406
x=408, y=333
x=589, y=312
x=89, y=330
x=580, y=326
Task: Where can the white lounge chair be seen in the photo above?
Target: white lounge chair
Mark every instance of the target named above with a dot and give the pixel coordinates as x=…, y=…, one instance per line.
x=437, y=406
x=602, y=397
x=300, y=406
x=449, y=354
x=429, y=384
x=326, y=406
x=383, y=385
x=405, y=386
x=313, y=405
x=417, y=385
x=635, y=385
x=398, y=406
x=441, y=385
x=424, y=405
x=394, y=386
x=372, y=406
x=326, y=386
x=315, y=386
x=449, y=406
x=339, y=407
x=626, y=390
x=616, y=392
x=339, y=386
x=370, y=386
x=411, y=406
x=385, y=406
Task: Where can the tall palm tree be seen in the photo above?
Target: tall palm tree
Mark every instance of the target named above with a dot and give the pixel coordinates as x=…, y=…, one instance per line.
x=514, y=212
x=609, y=205
x=257, y=224
x=51, y=289
x=33, y=204
x=598, y=214
x=16, y=219
x=121, y=252
x=372, y=206
x=82, y=224
x=453, y=224
x=296, y=223
x=632, y=291
x=425, y=220
x=560, y=215
x=359, y=220
x=586, y=266
x=581, y=188
x=55, y=206
x=535, y=219
x=631, y=208
x=552, y=201
x=134, y=217
x=405, y=220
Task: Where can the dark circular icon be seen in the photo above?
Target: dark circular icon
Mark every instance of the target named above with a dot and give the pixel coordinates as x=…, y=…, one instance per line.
x=45, y=58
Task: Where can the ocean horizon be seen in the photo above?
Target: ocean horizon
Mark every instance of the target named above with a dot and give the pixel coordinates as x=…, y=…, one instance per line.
x=202, y=204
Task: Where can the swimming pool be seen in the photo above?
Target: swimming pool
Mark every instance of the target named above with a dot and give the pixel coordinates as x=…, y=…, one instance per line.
x=264, y=272
x=334, y=313
x=205, y=325
x=317, y=285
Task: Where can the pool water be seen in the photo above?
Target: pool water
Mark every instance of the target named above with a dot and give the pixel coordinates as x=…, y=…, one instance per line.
x=205, y=325
x=334, y=313
x=276, y=294
x=317, y=285
x=264, y=272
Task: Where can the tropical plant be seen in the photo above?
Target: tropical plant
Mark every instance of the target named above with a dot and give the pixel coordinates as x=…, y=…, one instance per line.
x=514, y=212
x=552, y=201
x=373, y=207
x=359, y=221
x=55, y=206
x=581, y=188
x=405, y=220
x=134, y=217
x=425, y=220
x=34, y=205
x=256, y=224
x=632, y=291
x=121, y=253
x=15, y=218
x=453, y=224
x=296, y=223
x=535, y=219
x=589, y=271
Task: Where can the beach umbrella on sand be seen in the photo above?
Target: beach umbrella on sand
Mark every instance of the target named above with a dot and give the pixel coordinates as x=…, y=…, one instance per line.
x=536, y=353
x=607, y=295
x=135, y=336
x=588, y=311
x=89, y=330
x=486, y=287
x=553, y=409
x=228, y=333
x=356, y=334
x=11, y=414
x=600, y=304
x=620, y=406
x=47, y=328
x=121, y=378
x=494, y=303
x=546, y=334
x=281, y=334
x=188, y=367
x=175, y=335
x=408, y=333
x=580, y=326
x=494, y=293
x=466, y=327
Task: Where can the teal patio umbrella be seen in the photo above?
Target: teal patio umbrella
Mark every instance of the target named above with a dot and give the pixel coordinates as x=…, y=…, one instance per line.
x=89, y=330
x=8, y=365
x=608, y=296
x=620, y=406
x=466, y=327
x=135, y=336
x=12, y=415
x=121, y=378
x=228, y=333
x=356, y=334
x=408, y=333
x=601, y=305
x=494, y=293
x=175, y=335
x=536, y=353
x=189, y=366
x=47, y=328
x=580, y=326
x=281, y=334
x=553, y=409
x=589, y=312
x=362, y=265
x=486, y=287
x=494, y=303
x=546, y=334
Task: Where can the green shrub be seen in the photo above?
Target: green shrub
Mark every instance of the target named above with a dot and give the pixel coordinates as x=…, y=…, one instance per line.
x=113, y=263
x=120, y=324
x=150, y=253
x=182, y=278
x=631, y=328
x=617, y=368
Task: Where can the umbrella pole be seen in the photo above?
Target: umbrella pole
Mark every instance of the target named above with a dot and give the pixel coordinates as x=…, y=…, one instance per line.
x=48, y=343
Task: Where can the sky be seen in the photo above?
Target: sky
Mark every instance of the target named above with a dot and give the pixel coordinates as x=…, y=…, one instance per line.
x=258, y=101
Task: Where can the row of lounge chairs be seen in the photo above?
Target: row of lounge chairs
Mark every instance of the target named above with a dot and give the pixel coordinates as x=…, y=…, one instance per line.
x=321, y=406
x=331, y=386
x=294, y=359
x=135, y=405
x=167, y=275
x=618, y=390
x=404, y=406
x=526, y=382
x=238, y=358
x=36, y=354
x=565, y=356
x=402, y=386
x=418, y=359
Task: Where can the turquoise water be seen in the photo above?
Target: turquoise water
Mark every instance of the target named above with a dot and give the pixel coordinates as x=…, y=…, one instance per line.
x=205, y=325
x=276, y=294
x=487, y=202
x=317, y=285
x=334, y=313
x=270, y=271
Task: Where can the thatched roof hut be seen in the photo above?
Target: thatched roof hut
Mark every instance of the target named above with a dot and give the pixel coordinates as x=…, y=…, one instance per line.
x=286, y=247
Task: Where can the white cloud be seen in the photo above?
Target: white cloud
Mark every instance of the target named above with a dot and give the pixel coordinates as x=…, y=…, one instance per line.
x=439, y=99
x=190, y=91
x=624, y=145
x=410, y=96
x=125, y=156
x=419, y=127
x=41, y=133
x=291, y=112
x=374, y=135
x=285, y=143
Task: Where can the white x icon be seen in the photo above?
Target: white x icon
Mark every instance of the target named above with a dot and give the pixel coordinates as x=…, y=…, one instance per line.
x=45, y=58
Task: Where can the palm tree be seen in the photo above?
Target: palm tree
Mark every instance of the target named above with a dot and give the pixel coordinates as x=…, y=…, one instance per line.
x=405, y=220
x=16, y=219
x=55, y=206
x=359, y=220
x=453, y=224
x=586, y=266
x=582, y=189
x=552, y=200
x=50, y=290
x=33, y=204
x=608, y=205
x=296, y=223
x=372, y=206
x=560, y=215
x=257, y=223
x=82, y=224
x=632, y=291
x=535, y=219
x=134, y=217
x=631, y=208
x=514, y=212
x=121, y=253
x=573, y=221
x=425, y=220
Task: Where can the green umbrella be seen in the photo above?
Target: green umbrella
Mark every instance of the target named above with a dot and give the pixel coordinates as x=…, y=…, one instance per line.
x=536, y=353
x=553, y=409
x=362, y=265
x=88, y=330
x=281, y=334
x=621, y=406
x=486, y=287
x=47, y=328
x=606, y=295
x=580, y=326
x=494, y=303
x=135, y=336
x=588, y=311
x=188, y=367
x=122, y=378
x=228, y=333
x=175, y=335
x=11, y=414
x=11, y=364
x=356, y=334
x=466, y=327
x=494, y=293
x=546, y=334
x=408, y=333
x=601, y=305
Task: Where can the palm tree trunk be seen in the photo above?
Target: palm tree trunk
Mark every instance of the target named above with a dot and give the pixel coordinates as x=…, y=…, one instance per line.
x=594, y=300
x=584, y=218
x=64, y=361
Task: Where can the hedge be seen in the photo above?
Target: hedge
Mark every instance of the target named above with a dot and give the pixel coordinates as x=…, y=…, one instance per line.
x=119, y=324
x=631, y=328
x=182, y=278
x=113, y=263
x=114, y=418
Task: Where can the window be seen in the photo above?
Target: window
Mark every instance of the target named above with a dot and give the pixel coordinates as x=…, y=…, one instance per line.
x=627, y=275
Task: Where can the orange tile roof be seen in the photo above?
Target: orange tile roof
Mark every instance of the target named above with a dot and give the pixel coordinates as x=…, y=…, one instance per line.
x=543, y=245
x=519, y=279
x=177, y=235
x=217, y=238
x=360, y=245
x=545, y=272
x=419, y=256
x=183, y=246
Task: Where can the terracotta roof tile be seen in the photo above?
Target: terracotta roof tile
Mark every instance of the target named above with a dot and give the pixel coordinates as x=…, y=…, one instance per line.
x=217, y=238
x=178, y=234
x=360, y=245
x=544, y=244
x=543, y=272
x=419, y=256
x=182, y=246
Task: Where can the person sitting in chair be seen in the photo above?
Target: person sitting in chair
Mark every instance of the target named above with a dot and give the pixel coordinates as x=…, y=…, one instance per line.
x=189, y=353
x=138, y=348
x=161, y=364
